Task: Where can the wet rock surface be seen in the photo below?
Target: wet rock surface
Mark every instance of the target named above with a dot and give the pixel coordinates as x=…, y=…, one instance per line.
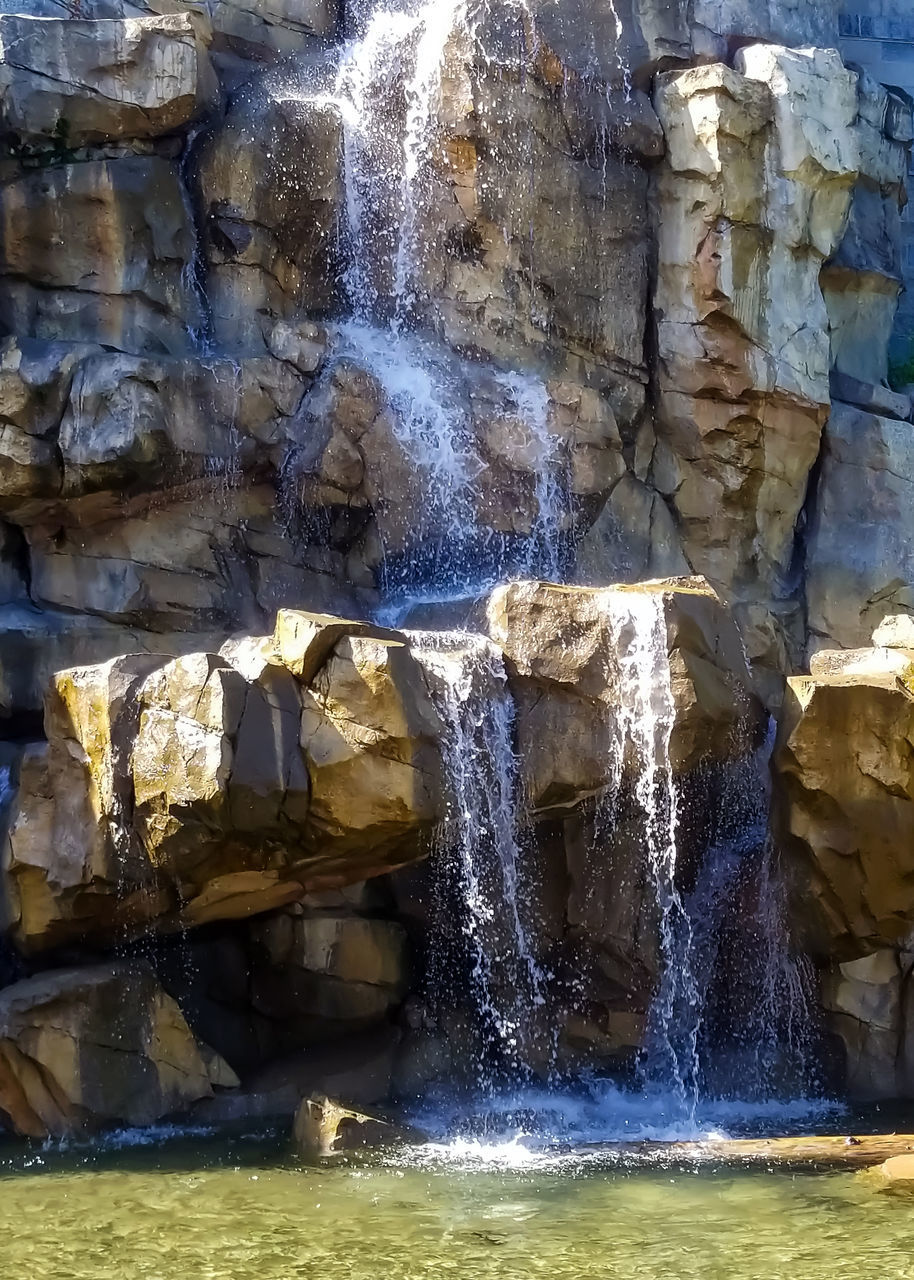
x=337, y=316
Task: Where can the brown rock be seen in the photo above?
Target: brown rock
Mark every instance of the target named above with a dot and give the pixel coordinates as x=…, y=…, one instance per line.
x=123, y=239
x=567, y=647
x=369, y=732
x=324, y=1128
x=845, y=770
x=85, y=1048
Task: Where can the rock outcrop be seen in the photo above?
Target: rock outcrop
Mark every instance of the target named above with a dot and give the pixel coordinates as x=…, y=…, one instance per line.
x=845, y=773
x=71, y=83
x=211, y=787
x=753, y=195
x=567, y=649
x=84, y=1048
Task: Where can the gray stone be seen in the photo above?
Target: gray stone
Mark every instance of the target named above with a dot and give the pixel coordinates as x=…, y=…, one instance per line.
x=860, y=547
x=67, y=83
x=122, y=240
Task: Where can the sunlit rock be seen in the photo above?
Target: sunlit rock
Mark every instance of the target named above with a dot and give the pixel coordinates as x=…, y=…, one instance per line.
x=211, y=788
x=753, y=195
x=847, y=787
x=67, y=83
x=323, y=1128
x=369, y=731
x=571, y=648
x=81, y=1049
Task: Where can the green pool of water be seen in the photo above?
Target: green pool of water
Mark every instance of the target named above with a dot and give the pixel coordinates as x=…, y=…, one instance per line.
x=247, y=1210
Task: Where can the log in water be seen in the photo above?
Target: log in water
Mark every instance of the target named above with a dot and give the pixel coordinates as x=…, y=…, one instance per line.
x=844, y=1151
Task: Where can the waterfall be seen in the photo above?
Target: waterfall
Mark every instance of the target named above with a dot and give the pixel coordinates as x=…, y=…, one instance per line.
x=385, y=159
x=702, y=1031
x=644, y=724
x=481, y=842
x=388, y=90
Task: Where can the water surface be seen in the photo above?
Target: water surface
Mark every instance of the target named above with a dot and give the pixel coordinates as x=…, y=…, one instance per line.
x=212, y=1209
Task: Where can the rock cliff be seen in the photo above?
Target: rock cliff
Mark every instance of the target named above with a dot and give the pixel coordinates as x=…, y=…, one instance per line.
x=329, y=328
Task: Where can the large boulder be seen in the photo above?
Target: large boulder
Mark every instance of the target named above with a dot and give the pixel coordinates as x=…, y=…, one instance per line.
x=576, y=656
x=65, y=84
x=209, y=787
x=84, y=1048
x=845, y=769
x=370, y=733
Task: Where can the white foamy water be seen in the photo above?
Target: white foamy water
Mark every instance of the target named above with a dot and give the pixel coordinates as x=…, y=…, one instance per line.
x=480, y=833
x=569, y=1131
x=645, y=718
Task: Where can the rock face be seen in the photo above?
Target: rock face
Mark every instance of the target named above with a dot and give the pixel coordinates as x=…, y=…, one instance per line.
x=744, y=387
x=78, y=83
x=209, y=788
x=82, y=1048
x=314, y=311
x=845, y=769
x=860, y=562
x=566, y=647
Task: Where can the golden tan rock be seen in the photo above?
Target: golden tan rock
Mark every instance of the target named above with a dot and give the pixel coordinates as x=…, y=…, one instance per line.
x=304, y=641
x=895, y=1175
x=564, y=647
x=212, y=787
x=744, y=383
x=66, y=835
x=846, y=780
x=85, y=1048
x=324, y=1128
x=369, y=731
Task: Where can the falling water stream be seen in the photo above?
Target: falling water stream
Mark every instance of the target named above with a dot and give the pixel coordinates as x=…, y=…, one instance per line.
x=481, y=837
x=699, y=1037
x=388, y=92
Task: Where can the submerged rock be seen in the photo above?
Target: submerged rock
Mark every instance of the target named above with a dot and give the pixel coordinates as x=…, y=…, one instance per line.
x=895, y=1175
x=325, y=1128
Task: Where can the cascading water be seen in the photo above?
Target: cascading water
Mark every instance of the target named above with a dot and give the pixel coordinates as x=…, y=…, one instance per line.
x=388, y=91
x=644, y=725
x=716, y=1049
x=688, y=1032
x=480, y=843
